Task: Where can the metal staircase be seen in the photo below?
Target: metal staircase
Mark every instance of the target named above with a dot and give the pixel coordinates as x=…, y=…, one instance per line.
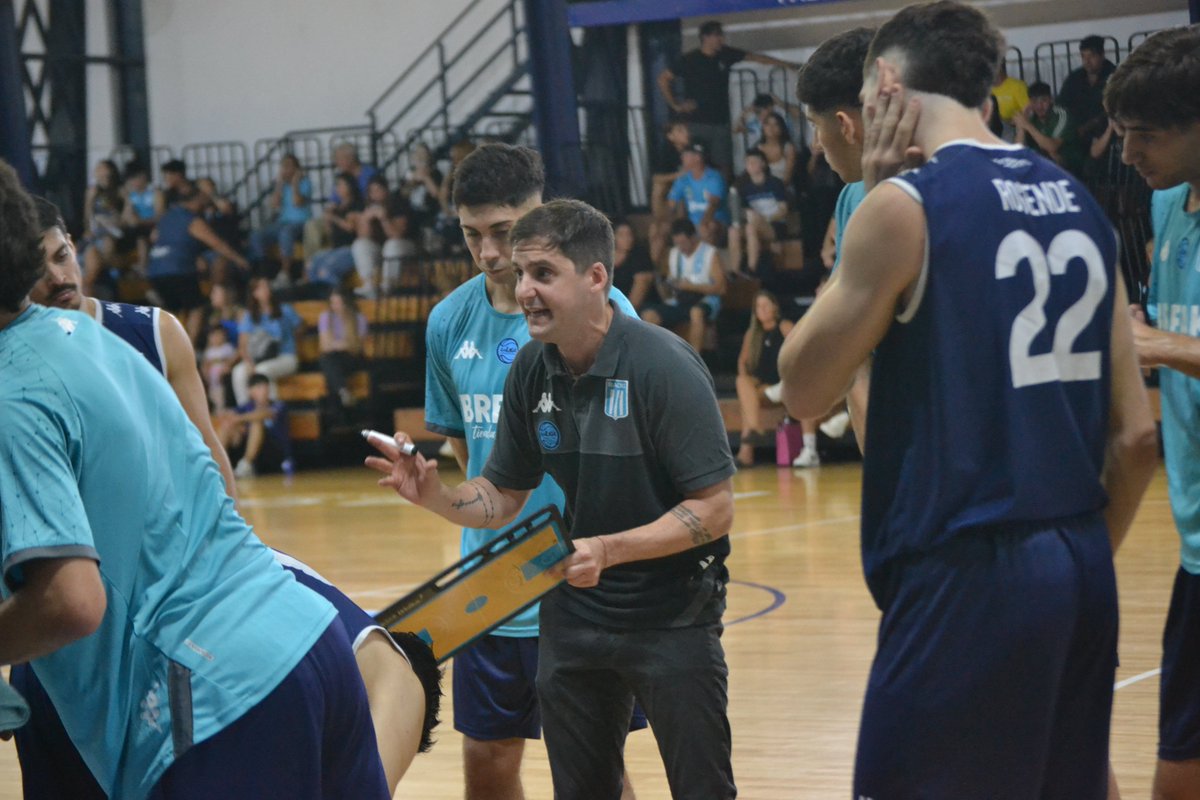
x=472, y=81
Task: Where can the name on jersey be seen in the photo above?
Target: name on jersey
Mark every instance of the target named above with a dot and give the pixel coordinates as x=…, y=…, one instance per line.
x=480, y=408
x=1178, y=318
x=1037, y=199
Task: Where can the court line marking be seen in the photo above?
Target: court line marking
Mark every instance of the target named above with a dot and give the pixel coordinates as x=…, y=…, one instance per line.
x=1137, y=678
x=778, y=598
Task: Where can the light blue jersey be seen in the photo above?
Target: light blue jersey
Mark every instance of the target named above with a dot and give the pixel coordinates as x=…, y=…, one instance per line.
x=469, y=348
x=849, y=199
x=1175, y=306
x=98, y=460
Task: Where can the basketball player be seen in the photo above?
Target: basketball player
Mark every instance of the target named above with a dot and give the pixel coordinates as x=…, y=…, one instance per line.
x=624, y=415
x=472, y=338
x=159, y=336
x=186, y=663
x=403, y=682
x=1009, y=445
x=1154, y=98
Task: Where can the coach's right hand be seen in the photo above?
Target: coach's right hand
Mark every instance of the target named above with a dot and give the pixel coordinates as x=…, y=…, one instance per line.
x=414, y=477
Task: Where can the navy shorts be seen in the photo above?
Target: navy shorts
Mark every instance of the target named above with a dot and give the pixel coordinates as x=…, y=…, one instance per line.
x=309, y=739
x=1179, y=689
x=495, y=696
x=994, y=670
x=51, y=767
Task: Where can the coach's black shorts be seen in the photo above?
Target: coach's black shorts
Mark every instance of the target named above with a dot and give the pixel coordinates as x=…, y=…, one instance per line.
x=1179, y=689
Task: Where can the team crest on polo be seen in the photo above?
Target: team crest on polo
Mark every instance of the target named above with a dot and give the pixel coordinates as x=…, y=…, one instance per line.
x=616, y=399
x=548, y=435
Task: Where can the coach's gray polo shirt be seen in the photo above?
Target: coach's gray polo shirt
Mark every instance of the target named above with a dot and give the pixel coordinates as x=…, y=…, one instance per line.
x=626, y=442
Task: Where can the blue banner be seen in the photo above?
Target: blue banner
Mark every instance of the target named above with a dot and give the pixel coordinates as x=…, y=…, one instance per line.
x=622, y=12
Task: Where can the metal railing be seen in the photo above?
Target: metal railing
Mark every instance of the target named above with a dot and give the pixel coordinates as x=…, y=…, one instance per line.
x=1053, y=61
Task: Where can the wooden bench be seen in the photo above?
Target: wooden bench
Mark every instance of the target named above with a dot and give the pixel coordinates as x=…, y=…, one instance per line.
x=310, y=387
x=412, y=422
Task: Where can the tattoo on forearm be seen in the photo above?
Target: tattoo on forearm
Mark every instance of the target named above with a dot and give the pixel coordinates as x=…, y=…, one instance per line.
x=700, y=534
x=483, y=499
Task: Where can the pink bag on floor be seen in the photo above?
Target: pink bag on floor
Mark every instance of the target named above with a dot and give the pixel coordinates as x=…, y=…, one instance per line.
x=789, y=441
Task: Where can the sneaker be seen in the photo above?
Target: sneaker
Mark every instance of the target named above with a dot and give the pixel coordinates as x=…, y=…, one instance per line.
x=244, y=469
x=807, y=458
x=835, y=426
x=774, y=393
x=288, y=466
x=282, y=281
x=446, y=450
x=346, y=397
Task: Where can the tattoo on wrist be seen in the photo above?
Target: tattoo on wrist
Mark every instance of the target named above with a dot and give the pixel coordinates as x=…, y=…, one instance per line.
x=481, y=498
x=700, y=534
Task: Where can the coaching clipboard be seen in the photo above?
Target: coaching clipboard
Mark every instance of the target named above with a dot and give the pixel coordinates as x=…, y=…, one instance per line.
x=486, y=588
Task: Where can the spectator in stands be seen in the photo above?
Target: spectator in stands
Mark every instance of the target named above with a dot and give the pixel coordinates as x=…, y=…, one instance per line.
x=693, y=287
x=345, y=162
x=1045, y=128
x=340, y=221
x=447, y=224
x=256, y=433
x=342, y=329
x=102, y=239
x=699, y=195
x=290, y=207
x=668, y=166
x=216, y=364
x=422, y=188
x=381, y=242
x=266, y=340
x=222, y=216
x=1011, y=95
x=778, y=149
x=1082, y=93
x=754, y=115
x=174, y=176
x=180, y=239
x=633, y=271
x=704, y=102
x=144, y=205
x=758, y=373
x=224, y=310
x=763, y=209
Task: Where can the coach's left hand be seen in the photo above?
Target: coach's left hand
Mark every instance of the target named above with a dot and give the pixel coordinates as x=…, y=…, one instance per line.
x=583, y=567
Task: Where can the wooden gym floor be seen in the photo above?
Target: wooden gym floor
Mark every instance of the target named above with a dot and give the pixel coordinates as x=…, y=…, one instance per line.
x=800, y=633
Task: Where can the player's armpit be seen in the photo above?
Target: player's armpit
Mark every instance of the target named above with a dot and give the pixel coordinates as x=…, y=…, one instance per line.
x=1132, y=449
x=883, y=253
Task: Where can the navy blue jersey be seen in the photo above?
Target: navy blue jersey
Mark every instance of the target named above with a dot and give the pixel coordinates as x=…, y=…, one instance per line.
x=137, y=325
x=990, y=392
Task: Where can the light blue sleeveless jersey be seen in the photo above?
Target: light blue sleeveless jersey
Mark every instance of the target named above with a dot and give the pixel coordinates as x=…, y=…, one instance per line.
x=98, y=460
x=1175, y=306
x=469, y=348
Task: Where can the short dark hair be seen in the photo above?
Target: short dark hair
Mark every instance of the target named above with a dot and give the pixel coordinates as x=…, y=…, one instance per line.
x=21, y=260
x=683, y=226
x=949, y=48
x=497, y=174
x=711, y=28
x=1093, y=43
x=832, y=78
x=425, y=667
x=575, y=229
x=48, y=215
x=763, y=100
x=754, y=152
x=1039, y=89
x=174, y=165
x=1157, y=83
x=134, y=168
x=258, y=379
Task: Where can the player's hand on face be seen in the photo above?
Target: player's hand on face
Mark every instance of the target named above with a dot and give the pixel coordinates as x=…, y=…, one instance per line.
x=890, y=118
x=415, y=478
x=582, y=568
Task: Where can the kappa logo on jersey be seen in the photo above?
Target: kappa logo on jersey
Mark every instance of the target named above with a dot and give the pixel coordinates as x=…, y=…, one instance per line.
x=113, y=309
x=616, y=399
x=68, y=325
x=145, y=311
x=545, y=405
x=468, y=350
